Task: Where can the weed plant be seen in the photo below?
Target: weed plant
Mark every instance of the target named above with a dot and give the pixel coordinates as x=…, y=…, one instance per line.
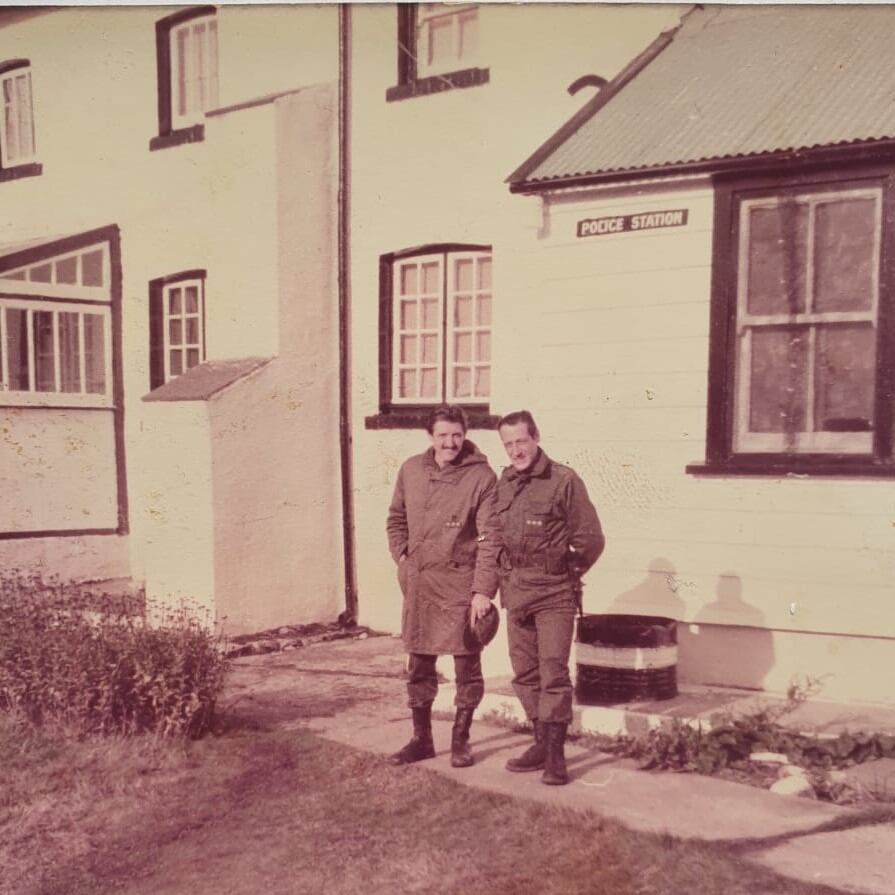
x=91, y=661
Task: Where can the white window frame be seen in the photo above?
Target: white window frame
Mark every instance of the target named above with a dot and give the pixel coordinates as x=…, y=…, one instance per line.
x=446, y=363
x=55, y=397
x=22, y=104
x=460, y=57
x=199, y=74
x=744, y=441
x=20, y=280
x=168, y=317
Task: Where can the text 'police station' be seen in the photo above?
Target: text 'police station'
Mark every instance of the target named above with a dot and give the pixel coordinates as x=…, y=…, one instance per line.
x=625, y=223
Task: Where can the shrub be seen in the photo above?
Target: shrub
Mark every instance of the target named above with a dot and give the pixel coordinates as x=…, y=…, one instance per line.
x=91, y=660
x=730, y=739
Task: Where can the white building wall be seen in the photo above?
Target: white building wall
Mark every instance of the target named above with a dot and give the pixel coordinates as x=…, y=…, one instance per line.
x=213, y=204
x=618, y=364
x=432, y=169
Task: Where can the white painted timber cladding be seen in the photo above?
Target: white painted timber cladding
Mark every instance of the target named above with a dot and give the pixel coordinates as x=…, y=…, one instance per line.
x=621, y=381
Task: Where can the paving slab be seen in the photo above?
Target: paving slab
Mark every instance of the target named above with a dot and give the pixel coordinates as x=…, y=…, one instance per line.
x=353, y=692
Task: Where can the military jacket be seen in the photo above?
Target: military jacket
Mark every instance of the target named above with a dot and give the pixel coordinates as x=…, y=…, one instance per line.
x=550, y=533
x=441, y=521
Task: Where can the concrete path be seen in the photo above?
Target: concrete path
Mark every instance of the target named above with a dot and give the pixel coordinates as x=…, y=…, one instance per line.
x=353, y=692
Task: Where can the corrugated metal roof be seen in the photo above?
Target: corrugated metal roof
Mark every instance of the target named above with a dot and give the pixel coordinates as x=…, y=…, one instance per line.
x=739, y=81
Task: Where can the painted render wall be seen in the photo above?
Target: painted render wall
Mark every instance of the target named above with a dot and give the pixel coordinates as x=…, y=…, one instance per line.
x=432, y=169
x=767, y=574
x=275, y=435
x=211, y=205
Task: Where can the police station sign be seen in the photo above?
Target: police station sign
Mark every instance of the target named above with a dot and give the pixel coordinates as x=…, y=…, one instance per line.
x=627, y=223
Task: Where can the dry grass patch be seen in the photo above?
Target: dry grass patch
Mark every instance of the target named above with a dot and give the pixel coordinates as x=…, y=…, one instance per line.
x=282, y=812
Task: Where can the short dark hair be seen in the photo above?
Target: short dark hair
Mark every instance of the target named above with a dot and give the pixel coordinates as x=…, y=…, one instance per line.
x=520, y=416
x=449, y=413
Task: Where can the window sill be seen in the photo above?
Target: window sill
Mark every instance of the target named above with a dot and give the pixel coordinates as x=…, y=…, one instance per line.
x=797, y=468
x=19, y=171
x=455, y=80
x=194, y=134
x=417, y=417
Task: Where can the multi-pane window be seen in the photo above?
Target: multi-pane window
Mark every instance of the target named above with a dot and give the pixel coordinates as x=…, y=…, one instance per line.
x=194, y=69
x=183, y=310
x=446, y=36
x=17, y=126
x=441, y=328
x=176, y=325
x=55, y=331
x=807, y=308
x=53, y=350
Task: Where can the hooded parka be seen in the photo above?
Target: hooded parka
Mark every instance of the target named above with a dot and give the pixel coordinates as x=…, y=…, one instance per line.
x=442, y=522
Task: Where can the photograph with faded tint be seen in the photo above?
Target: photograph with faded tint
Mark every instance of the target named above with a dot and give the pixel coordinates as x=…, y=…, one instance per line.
x=447, y=448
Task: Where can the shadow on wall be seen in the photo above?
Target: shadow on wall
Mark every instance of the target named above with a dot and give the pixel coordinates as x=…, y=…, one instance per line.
x=727, y=642
x=655, y=595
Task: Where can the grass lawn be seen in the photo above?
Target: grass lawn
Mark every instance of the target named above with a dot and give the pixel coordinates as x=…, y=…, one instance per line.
x=253, y=811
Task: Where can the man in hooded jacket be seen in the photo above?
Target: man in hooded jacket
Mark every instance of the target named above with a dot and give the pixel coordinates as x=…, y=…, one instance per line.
x=441, y=534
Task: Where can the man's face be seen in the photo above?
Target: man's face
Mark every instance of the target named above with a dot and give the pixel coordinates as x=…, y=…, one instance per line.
x=447, y=439
x=520, y=445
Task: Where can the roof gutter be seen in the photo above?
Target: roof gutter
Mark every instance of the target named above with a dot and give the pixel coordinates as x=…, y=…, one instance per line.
x=749, y=164
x=349, y=616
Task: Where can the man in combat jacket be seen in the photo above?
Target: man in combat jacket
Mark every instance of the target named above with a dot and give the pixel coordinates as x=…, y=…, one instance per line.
x=551, y=535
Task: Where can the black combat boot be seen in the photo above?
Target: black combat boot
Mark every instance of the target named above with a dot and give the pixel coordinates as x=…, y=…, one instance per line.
x=555, y=773
x=461, y=757
x=420, y=746
x=532, y=759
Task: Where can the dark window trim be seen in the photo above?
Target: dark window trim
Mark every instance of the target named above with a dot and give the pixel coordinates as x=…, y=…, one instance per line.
x=112, y=235
x=157, y=339
x=17, y=172
x=58, y=247
x=13, y=64
x=409, y=84
x=720, y=457
x=412, y=416
x=193, y=134
x=167, y=135
x=59, y=533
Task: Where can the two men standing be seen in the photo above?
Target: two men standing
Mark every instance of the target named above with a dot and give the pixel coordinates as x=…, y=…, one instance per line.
x=452, y=532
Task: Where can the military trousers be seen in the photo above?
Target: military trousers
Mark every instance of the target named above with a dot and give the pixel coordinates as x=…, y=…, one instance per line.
x=540, y=641
x=422, y=680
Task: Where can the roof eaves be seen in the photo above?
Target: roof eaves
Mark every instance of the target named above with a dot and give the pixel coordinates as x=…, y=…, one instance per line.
x=519, y=177
x=858, y=150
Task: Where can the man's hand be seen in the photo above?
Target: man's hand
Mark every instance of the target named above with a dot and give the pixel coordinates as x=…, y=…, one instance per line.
x=478, y=608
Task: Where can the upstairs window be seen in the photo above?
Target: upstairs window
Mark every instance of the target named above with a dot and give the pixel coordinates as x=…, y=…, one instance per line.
x=176, y=325
x=435, y=337
x=17, y=143
x=801, y=366
x=446, y=37
x=187, y=57
x=194, y=70
x=438, y=49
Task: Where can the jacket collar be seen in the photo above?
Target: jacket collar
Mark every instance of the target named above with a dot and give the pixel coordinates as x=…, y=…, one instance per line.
x=539, y=469
x=469, y=455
